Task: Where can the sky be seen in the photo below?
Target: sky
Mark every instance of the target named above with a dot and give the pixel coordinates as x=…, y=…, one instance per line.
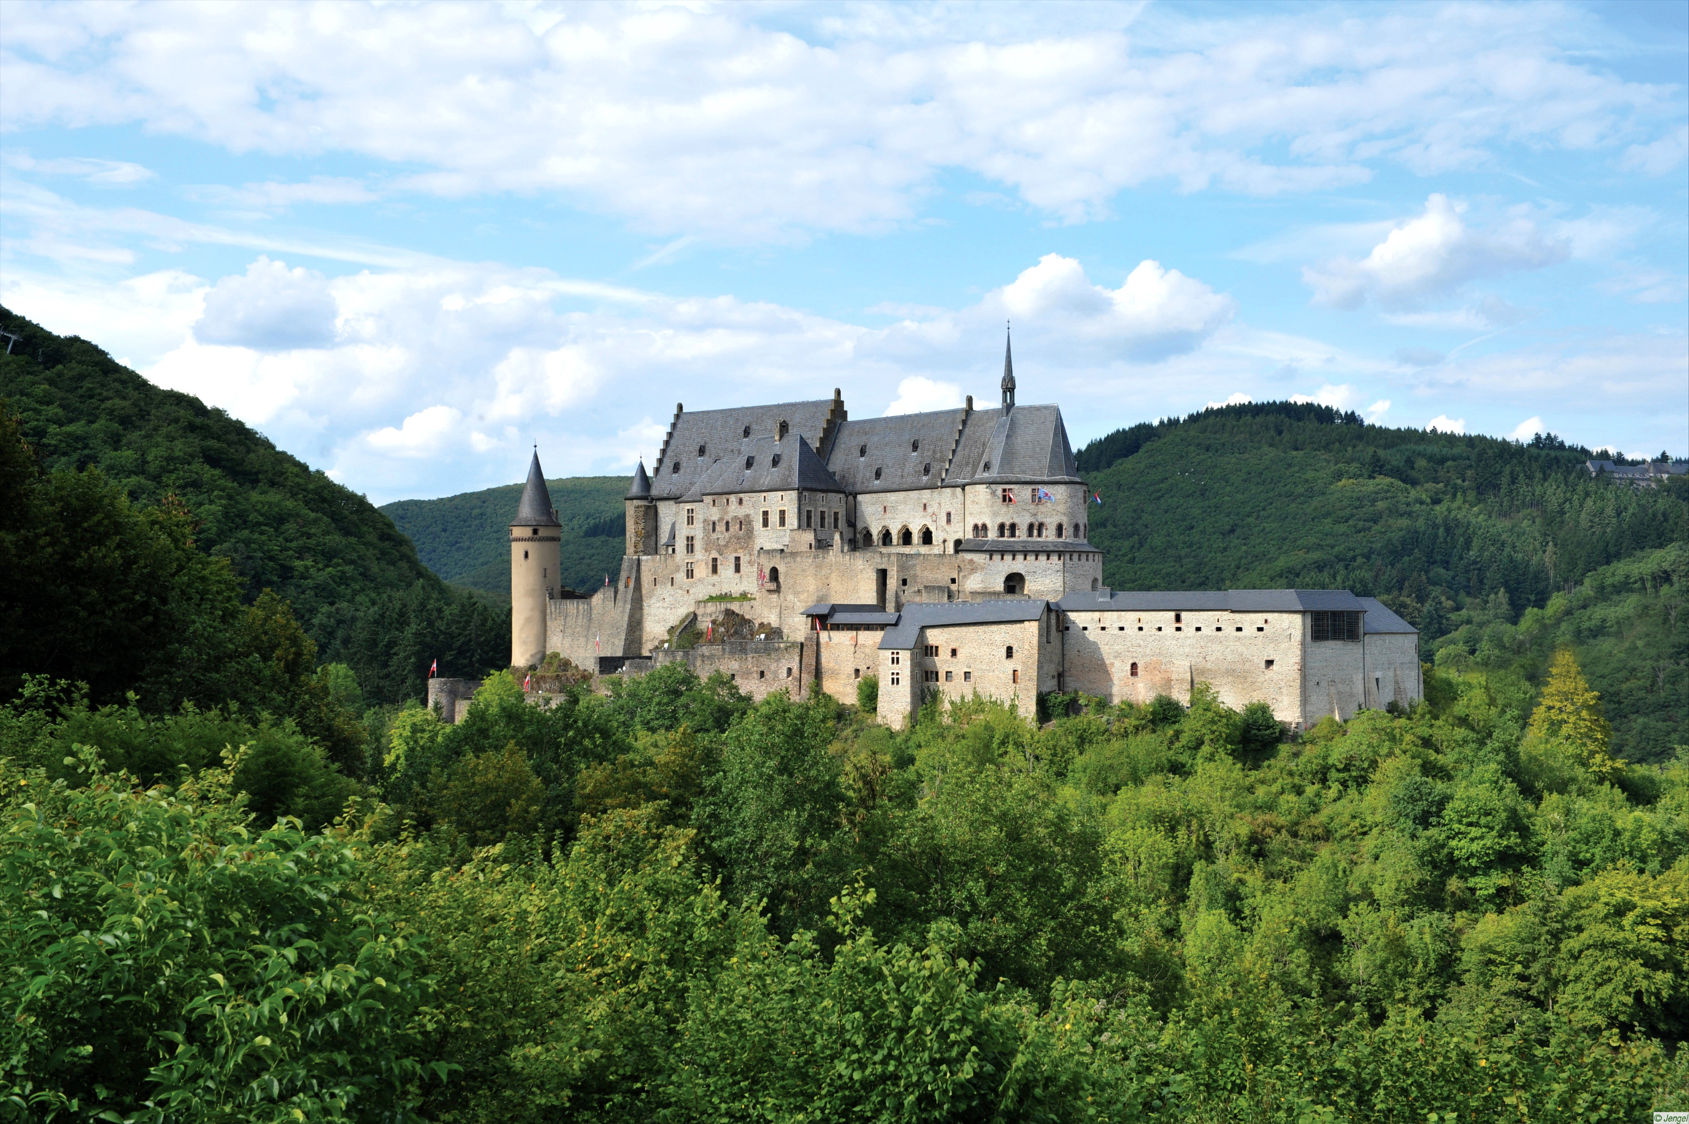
x=408, y=242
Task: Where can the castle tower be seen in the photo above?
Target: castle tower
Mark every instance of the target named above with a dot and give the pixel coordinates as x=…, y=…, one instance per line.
x=641, y=515
x=1008, y=375
x=535, y=535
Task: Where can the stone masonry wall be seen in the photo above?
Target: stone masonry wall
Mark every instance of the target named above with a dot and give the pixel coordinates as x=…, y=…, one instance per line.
x=981, y=664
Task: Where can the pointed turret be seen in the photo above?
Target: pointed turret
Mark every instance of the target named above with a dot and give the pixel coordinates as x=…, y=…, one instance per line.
x=640, y=489
x=1008, y=374
x=535, y=510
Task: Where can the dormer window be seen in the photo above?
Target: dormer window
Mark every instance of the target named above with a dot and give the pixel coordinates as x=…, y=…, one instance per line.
x=915, y=445
x=674, y=468
x=774, y=461
x=749, y=461
x=862, y=451
x=780, y=431
x=700, y=450
x=926, y=469
x=747, y=431
x=877, y=473
x=987, y=466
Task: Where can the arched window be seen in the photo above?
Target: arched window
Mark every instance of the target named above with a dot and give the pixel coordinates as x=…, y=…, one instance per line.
x=906, y=537
x=867, y=537
x=1009, y=652
x=877, y=473
x=926, y=536
x=1040, y=530
x=1134, y=669
x=1058, y=531
x=774, y=575
x=1002, y=532
x=780, y=432
x=1096, y=585
x=885, y=536
x=1014, y=583
x=1014, y=530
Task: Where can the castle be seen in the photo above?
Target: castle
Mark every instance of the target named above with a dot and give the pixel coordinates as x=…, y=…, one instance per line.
x=943, y=551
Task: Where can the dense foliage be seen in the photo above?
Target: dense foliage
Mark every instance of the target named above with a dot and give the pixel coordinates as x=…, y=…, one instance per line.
x=464, y=538
x=671, y=904
x=352, y=579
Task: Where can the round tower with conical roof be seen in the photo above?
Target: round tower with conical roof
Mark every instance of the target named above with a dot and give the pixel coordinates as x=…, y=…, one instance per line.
x=535, y=535
x=641, y=515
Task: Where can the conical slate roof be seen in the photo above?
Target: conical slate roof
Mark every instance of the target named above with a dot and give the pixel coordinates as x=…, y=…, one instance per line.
x=535, y=509
x=1008, y=365
x=640, y=489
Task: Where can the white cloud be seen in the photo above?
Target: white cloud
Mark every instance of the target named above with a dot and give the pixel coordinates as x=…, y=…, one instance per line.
x=1375, y=412
x=103, y=173
x=423, y=434
x=1658, y=157
x=776, y=122
x=1442, y=423
x=1527, y=429
x=1337, y=397
x=917, y=393
x=1154, y=313
x=1239, y=399
x=274, y=196
x=269, y=308
x=1431, y=255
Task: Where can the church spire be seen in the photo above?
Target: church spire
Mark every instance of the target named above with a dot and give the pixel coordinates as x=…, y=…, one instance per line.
x=1008, y=373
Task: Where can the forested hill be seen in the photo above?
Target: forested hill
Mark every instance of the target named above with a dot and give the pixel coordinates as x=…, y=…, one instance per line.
x=463, y=538
x=353, y=579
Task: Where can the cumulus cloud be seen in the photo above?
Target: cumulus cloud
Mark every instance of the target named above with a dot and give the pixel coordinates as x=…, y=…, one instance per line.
x=1431, y=255
x=917, y=393
x=1442, y=423
x=781, y=122
x=1154, y=313
x=1337, y=397
x=1239, y=399
x=1658, y=157
x=423, y=434
x=1375, y=412
x=1527, y=429
x=269, y=308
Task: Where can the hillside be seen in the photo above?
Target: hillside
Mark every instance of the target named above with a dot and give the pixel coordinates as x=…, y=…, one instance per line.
x=462, y=538
x=353, y=579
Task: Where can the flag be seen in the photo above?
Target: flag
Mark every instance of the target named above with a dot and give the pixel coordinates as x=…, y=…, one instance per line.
x=1008, y=495
x=606, y=579
x=527, y=680
x=709, y=630
x=595, y=646
x=1097, y=496
x=433, y=669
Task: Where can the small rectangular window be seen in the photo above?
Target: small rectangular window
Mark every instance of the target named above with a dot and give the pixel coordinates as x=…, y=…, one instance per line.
x=948, y=675
x=765, y=517
x=736, y=564
x=1014, y=676
x=689, y=569
x=690, y=540
x=1269, y=665
x=967, y=677
x=896, y=658
x=896, y=678
x=859, y=673
x=782, y=517
x=952, y=653
x=715, y=564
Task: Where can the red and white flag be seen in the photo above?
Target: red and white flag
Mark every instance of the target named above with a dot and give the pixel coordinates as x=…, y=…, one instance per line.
x=709, y=630
x=434, y=669
x=528, y=681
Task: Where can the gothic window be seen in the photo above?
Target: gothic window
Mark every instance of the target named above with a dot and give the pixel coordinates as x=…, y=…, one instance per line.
x=1014, y=530
x=926, y=537
x=885, y=536
x=1002, y=531
x=906, y=537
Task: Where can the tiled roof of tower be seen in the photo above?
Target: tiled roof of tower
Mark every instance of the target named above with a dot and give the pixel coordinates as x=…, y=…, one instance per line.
x=699, y=439
x=916, y=615
x=641, y=487
x=766, y=465
x=1027, y=443
x=535, y=509
x=907, y=450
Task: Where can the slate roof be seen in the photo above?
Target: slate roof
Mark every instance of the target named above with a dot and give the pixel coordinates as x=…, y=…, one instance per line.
x=535, y=508
x=1025, y=444
x=720, y=433
x=1380, y=620
x=763, y=464
x=641, y=487
x=908, y=450
x=932, y=614
x=1219, y=601
x=1026, y=546
x=836, y=613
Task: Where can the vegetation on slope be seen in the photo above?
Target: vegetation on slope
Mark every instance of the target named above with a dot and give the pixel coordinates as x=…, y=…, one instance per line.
x=464, y=538
x=352, y=579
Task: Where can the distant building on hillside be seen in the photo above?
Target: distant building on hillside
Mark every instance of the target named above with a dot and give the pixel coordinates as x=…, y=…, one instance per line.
x=1645, y=475
x=945, y=552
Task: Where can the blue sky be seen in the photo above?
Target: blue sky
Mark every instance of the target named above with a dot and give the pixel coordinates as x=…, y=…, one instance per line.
x=406, y=242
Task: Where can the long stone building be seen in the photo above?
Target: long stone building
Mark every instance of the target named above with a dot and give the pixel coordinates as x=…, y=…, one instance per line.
x=945, y=551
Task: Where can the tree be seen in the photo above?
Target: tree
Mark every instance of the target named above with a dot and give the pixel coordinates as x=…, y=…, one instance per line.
x=1568, y=718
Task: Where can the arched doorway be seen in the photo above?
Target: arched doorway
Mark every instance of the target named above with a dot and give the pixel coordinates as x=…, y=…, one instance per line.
x=1015, y=583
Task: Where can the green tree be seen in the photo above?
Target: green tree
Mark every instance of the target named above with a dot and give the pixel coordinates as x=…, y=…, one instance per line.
x=1568, y=719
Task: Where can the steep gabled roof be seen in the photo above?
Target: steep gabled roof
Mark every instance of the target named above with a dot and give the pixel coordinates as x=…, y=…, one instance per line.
x=767, y=465
x=700, y=440
x=909, y=451
x=535, y=508
x=1028, y=443
x=1381, y=620
x=917, y=615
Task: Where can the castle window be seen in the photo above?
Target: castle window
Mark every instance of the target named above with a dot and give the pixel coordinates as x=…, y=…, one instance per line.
x=932, y=651
x=967, y=677
x=1002, y=531
x=858, y=673
x=861, y=451
x=949, y=675
x=930, y=676
x=809, y=518
x=762, y=674
x=689, y=542
x=674, y=468
x=700, y=450
x=1336, y=626
x=533, y=530
x=1258, y=628
x=952, y=653
x=988, y=466
x=524, y=556
x=1013, y=529
x=896, y=678
x=1059, y=534
x=1239, y=628
x=906, y=537
x=915, y=445
x=1178, y=618
x=1014, y=676
x=926, y=536
x=736, y=564
x=747, y=432
x=1009, y=652
x=774, y=461
x=926, y=469
x=896, y=658
x=749, y=461
x=885, y=536
x=788, y=673
x=780, y=432
x=782, y=517
x=765, y=517
x=947, y=519
x=877, y=473
x=1008, y=495
x=1268, y=664
x=715, y=566
x=689, y=516
x=1134, y=669
x=689, y=570
x=835, y=520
